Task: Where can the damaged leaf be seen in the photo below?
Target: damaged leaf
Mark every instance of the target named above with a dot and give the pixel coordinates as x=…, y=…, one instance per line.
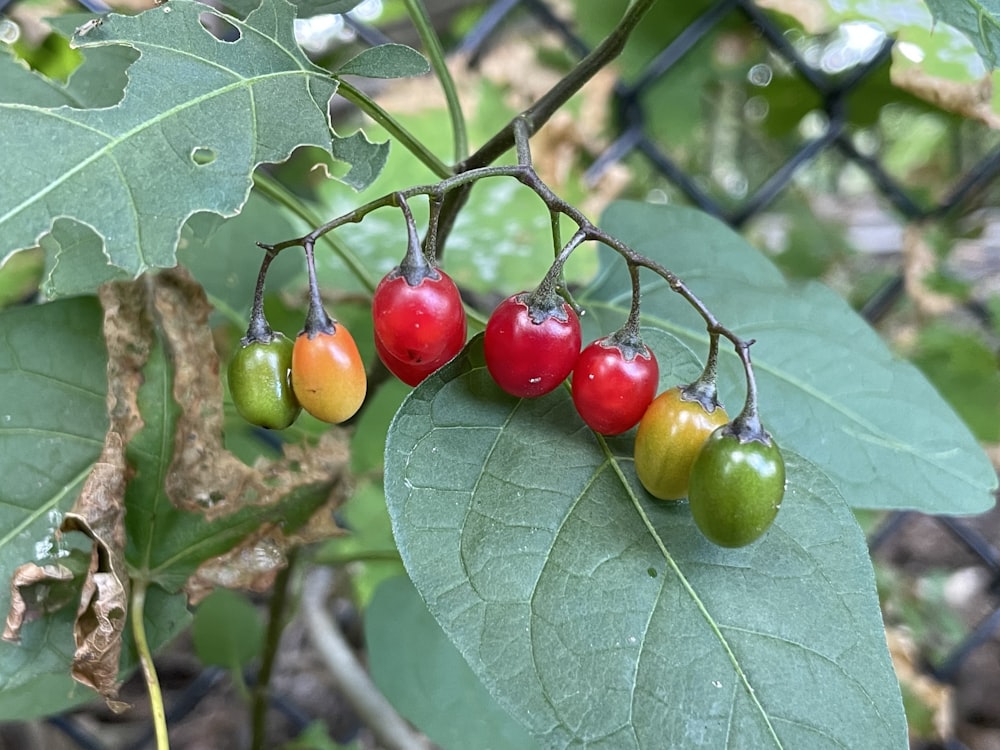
x=38, y=590
x=52, y=364
x=209, y=510
x=99, y=513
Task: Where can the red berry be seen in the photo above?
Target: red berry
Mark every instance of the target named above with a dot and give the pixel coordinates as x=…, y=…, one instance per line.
x=418, y=323
x=414, y=373
x=613, y=384
x=529, y=352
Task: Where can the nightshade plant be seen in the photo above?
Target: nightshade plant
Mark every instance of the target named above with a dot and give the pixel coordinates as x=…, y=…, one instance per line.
x=591, y=612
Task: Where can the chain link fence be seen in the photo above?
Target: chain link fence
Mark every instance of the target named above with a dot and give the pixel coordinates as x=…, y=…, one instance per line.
x=635, y=137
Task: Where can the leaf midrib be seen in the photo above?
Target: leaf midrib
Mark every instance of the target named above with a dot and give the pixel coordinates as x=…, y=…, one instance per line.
x=613, y=461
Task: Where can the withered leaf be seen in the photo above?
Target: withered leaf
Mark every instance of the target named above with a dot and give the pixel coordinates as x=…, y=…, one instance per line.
x=37, y=590
x=206, y=478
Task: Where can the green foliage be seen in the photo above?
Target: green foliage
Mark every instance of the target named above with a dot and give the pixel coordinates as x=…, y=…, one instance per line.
x=965, y=371
x=525, y=535
x=423, y=674
x=227, y=629
x=979, y=20
x=201, y=114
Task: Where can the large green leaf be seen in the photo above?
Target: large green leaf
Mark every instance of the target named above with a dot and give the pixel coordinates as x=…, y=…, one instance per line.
x=52, y=425
x=425, y=677
x=601, y=618
x=979, y=20
x=198, y=116
x=830, y=389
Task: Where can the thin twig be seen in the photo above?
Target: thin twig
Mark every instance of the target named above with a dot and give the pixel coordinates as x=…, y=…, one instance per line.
x=275, y=627
x=390, y=729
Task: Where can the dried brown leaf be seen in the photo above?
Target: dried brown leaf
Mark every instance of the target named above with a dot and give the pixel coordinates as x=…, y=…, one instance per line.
x=972, y=100
x=206, y=478
x=253, y=564
x=99, y=511
x=29, y=595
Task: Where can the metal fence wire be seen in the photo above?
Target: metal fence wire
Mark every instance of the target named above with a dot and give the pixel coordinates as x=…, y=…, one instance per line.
x=634, y=137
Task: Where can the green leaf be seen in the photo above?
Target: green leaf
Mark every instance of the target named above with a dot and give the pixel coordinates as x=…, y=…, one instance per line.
x=979, y=20
x=52, y=424
x=424, y=676
x=386, y=61
x=75, y=262
x=227, y=630
x=223, y=255
x=601, y=618
x=367, y=159
x=829, y=387
x=199, y=115
x=965, y=370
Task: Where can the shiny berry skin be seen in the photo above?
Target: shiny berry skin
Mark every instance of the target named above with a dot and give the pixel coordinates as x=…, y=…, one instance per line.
x=414, y=373
x=614, y=384
x=670, y=435
x=530, y=352
x=328, y=376
x=736, y=488
x=260, y=382
x=419, y=322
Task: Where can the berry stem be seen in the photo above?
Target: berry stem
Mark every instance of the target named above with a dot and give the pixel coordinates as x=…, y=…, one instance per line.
x=317, y=318
x=747, y=425
x=546, y=298
x=431, y=249
x=259, y=331
x=705, y=389
x=414, y=267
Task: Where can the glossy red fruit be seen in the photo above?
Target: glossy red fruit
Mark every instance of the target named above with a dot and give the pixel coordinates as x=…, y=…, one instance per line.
x=414, y=373
x=418, y=323
x=613, y=383
x=529, y=352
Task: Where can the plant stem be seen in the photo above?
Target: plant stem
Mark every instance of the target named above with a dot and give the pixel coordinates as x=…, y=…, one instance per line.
x=432, y=46
x=148, y=668
x=535, y=116
x=282, y=196
x=552, y=100
x=390, y=729
x=409, y=141
x=275, y=627
x=587, y=230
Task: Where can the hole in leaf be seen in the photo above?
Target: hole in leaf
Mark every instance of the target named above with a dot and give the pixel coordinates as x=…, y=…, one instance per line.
x=202, y=156
x=219, y=27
